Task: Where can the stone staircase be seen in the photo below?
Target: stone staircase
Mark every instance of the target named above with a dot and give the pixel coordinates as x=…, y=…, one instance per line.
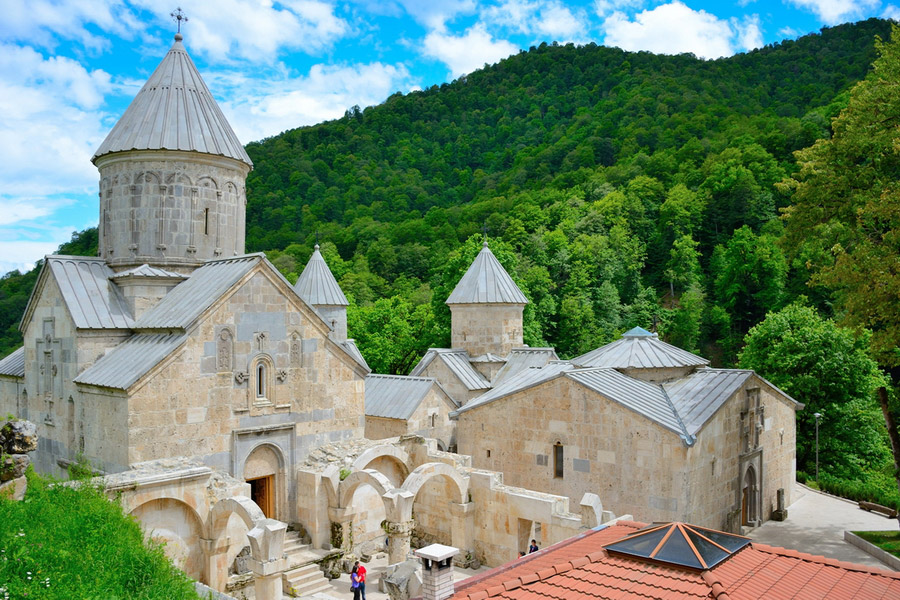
x=303, y=576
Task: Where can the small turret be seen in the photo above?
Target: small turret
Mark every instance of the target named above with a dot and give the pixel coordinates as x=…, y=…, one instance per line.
x=486, y=309
x=320, y=289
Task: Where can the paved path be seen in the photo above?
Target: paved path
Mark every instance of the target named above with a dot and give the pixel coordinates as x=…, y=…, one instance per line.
x=816, y=524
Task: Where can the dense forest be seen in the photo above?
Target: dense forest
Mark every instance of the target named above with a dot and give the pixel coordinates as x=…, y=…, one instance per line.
x=618, y=189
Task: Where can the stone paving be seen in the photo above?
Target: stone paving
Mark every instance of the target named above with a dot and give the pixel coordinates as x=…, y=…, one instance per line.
x=816, y=524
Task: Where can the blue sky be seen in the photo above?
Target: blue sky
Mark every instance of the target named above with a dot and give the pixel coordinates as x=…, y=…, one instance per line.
x=69, y=68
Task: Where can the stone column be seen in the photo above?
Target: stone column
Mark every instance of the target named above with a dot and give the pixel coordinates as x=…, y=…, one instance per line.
x=398, y=540
x=214, y=555
x=267, y=558
x=461, y=529
x=341, y=527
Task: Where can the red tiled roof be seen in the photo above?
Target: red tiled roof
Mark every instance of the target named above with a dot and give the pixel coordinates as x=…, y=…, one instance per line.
x=579, y=568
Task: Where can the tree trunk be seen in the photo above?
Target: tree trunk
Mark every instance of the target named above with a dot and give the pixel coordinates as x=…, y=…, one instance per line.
x=894, y=435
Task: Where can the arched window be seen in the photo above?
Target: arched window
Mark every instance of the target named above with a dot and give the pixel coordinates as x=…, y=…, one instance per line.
x=558, y=459
x=260, y=380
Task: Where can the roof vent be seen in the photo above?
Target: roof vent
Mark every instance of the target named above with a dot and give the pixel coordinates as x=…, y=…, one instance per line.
x=679, y=544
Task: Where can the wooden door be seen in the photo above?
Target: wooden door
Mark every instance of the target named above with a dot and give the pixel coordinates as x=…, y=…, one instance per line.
x=262, y=491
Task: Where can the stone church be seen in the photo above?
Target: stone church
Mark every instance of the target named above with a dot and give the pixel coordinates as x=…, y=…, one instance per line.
x=224, y=402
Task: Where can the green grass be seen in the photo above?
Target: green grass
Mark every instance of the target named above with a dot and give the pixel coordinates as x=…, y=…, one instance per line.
x=64, y=542
x=889, y=541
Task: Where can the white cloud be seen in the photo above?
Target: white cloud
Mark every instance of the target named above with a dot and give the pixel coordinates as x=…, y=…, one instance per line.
x=604, y=8
x=543, y=18
x=435, y=13
x=891, y=12
x=254, y=30
x=22, y=255
x=467, y=52
x=51, y=122
x=259, y=109
x=833, y=12
x=788, y=32
x=749, y=35
x=39, y=22
x=674, y=28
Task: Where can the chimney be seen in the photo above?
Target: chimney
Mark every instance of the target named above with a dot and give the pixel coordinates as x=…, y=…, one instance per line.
x=437, y=571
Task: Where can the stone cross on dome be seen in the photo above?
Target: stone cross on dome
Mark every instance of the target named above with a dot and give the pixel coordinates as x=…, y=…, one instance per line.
x=178, y=16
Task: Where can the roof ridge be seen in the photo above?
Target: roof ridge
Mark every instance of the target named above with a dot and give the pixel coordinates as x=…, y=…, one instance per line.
x=688, y=438
x=823, y=560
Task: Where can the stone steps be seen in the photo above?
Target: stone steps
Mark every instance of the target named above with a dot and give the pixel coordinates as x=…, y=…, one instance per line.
x=304, y=581
x=303, y=576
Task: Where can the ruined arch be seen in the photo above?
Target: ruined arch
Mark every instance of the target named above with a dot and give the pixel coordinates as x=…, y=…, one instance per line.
x=241, y=506
x=418, y=478
x=178, y=526
x=379, y=482
x=391, y=461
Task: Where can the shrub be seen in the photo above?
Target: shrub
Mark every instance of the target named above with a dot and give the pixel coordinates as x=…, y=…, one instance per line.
x=68, y=541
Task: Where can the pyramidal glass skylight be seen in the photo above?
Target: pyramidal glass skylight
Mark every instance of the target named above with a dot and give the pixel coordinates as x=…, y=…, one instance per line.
x=680, y=544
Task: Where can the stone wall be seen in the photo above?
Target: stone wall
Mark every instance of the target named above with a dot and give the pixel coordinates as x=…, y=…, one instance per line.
x=486, y=328
x=450, y=382
x=431, y=419
x=170, y=209
x=633, y=464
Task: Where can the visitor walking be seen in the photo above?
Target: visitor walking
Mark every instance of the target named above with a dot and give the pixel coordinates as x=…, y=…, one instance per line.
x=361, y=571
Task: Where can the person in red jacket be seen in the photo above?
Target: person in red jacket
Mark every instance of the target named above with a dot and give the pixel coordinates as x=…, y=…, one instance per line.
x=361, y=573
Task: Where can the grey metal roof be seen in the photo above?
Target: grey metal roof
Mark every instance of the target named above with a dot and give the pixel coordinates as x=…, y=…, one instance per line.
x=351, y=348
x=487, y=282
x=174, y=111
x=13, y=364
x=93, y=301
x=146, y=270
x=317, y=285
x=187, y=301
x=639, y=351
x=640, y=396
x=524, y=379
x=698, y=396
x=524, y=358
x=458, y=363
x=125, y=364
x=395, y=396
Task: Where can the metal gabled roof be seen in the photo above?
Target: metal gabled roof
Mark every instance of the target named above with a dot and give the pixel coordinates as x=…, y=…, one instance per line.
x=644, y=398
x=519, y=359
x=125, y=364
x=174, y=111
x=516, y=383
x=396, y=396
x=187, y=301
x=317, y=284
x=352, y=349
x=93, y=301
x=486, y=282
x=458, y=362
x=639, y=349
x=13, y=365
x=698, y=396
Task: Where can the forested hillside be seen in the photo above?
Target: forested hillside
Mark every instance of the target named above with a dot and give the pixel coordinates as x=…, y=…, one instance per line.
x=619, y=189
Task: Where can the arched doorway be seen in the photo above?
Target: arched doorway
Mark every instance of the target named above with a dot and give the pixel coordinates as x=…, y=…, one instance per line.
x=749, y=504
x=264, y=471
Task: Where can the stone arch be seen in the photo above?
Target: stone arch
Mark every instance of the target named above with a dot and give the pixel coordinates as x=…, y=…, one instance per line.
x=264, y=470
x=395, y=458
x=750, y=497
x=147, y=177
x=205, y=181
x=261, y=391
x=178, y=526
x=379, y=482
x=424, y=473
x=241, y=506
x=178, y=177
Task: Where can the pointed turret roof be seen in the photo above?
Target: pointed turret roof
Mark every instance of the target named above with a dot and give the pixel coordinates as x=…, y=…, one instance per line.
x=486, y=282
x=174, y=111
x=317, y=285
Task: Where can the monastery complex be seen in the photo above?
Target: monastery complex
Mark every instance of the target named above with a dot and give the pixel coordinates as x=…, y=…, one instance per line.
x=239, y=423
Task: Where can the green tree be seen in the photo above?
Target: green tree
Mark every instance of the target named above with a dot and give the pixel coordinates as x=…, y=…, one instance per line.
x=392, y=333
x=847, y=194
x=827, y=368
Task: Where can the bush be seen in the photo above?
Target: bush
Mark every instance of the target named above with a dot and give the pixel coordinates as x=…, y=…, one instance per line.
x=876, y=487
x=68, y=541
